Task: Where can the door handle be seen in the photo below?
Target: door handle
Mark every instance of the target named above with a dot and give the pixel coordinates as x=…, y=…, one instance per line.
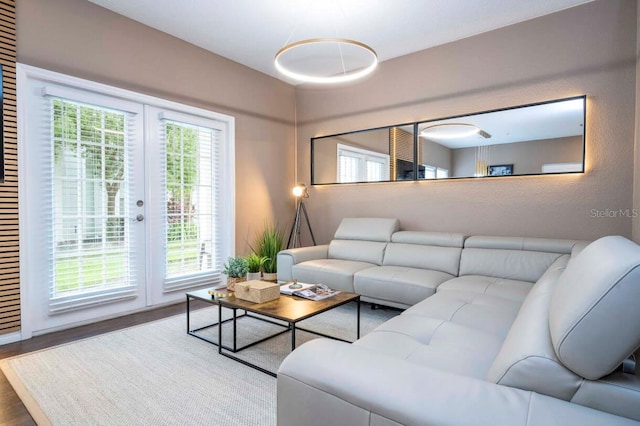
x=140, y=217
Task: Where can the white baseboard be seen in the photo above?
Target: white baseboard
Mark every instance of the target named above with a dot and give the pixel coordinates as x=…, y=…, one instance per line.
x=10, y=338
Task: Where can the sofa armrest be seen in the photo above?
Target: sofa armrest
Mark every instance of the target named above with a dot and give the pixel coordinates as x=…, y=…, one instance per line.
x=328, y=382
x=288, y=258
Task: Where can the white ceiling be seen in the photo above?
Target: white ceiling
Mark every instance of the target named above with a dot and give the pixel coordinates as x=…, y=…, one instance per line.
x=537, y=122
x=252, y=31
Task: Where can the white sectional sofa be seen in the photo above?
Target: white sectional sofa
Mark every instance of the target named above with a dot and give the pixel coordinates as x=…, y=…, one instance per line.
x=497, y=331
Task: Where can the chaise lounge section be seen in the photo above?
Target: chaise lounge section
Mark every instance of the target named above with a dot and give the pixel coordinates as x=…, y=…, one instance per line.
x=527, y=331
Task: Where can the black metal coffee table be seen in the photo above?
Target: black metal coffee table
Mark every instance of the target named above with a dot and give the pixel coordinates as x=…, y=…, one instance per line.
x=286, y=312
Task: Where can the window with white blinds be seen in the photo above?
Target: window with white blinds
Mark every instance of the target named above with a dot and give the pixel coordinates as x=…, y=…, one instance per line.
x=90, y=245
x=192, y=203
x=434, y=172
x=361, y=165
x=90, y=239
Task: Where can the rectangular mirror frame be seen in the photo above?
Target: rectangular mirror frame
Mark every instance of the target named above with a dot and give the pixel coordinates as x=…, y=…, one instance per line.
x=417, y=173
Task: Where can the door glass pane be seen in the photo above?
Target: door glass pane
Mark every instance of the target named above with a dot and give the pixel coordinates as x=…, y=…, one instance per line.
x=91, y=235
x=190, y=202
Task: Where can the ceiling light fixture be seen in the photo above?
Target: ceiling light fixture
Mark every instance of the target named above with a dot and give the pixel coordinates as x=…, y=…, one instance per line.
x=336, y=78
x=451, y=131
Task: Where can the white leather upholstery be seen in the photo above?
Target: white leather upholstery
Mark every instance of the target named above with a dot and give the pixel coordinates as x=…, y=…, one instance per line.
x=403, y=285
x=438, y=239
x=480, y=312
x=543, y=319
x=617, y=393
x=594, y=313
x=518, y=243
x=325, y=382
x=435, y=343
x=498, y=287
x=510, y=264
x=359, y=251
x=336, y=273
x=527, y=359
x=288, y=258
x=443, y=259
x=369, y=229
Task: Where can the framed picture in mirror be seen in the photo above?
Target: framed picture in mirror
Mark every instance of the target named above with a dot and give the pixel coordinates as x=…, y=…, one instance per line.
x=501, y=170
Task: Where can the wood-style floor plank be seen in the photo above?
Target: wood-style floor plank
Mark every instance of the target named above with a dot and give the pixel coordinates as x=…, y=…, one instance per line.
x=12, y=411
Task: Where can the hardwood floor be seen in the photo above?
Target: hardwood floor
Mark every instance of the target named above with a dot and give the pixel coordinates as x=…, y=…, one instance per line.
x=12, y=411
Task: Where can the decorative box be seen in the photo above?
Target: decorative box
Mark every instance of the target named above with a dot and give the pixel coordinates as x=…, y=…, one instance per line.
x=257, y=291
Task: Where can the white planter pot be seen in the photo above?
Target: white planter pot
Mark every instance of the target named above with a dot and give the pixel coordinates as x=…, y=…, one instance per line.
x=253, y=276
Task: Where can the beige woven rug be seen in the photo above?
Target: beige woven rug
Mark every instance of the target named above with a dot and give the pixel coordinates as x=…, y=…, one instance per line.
x=156, y=374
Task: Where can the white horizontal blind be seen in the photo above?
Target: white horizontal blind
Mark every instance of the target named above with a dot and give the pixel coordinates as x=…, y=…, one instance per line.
x=192, y=204
x=429, y=172
x=442, y=173
x=375, y=171
x=348, y=168
x=92, y=249
x=361, y=165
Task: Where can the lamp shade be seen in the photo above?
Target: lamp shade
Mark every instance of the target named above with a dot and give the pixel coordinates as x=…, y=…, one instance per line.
x=299, y=190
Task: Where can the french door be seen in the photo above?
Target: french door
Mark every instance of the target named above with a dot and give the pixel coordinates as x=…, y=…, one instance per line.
x=123, y=201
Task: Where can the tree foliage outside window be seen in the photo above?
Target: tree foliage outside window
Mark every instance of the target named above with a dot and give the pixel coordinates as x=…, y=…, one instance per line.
x=182, y=175
x=99, y=135
x=89, y=178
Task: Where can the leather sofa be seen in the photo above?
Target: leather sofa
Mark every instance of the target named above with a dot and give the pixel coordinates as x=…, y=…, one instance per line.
x=497, y=331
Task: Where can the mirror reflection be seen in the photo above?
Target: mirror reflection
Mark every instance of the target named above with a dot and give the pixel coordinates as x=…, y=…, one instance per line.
x=534, y=139
x=377, y=155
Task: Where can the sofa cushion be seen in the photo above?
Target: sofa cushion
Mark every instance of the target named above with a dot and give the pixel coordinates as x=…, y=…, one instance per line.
x=368, y=229
x=443, y=259
x=527, y=359
x=477, y=311
x=594, y=312
x=435, y=343
x=401, y=284
x=510, y=264
x=359, y=251
x=335, y=273
x=498, y=287
x=523, y=259
x=547, y=245
x=439, y=239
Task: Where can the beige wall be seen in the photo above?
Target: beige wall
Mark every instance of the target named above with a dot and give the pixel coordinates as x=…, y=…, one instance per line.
x=589, y=49
x=437, y=155
x=636, y=175
x=526, y=157
x=79, y=38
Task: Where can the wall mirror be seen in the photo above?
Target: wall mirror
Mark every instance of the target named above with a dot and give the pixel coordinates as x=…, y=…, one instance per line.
x=534, y=139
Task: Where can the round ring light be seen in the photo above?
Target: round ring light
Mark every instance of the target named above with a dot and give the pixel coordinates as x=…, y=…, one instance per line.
x=339, y=78
x=450, y=131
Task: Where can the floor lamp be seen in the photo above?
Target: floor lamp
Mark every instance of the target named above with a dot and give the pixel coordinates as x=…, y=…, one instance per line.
x=300, y=192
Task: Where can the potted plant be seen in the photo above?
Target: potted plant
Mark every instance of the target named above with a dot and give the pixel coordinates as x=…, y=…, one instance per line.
x=255, y=264
x=268, y=243
x=236, y=271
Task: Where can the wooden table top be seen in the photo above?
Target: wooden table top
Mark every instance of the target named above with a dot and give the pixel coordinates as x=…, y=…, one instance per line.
x=290, y=308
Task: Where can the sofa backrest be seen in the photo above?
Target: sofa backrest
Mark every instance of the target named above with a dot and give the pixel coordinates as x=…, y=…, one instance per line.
x=527, y=359
x=594, y=311
x=362, y=239
x=438, y=251
x=367, y=229
x=524, y=259
x=577, y=325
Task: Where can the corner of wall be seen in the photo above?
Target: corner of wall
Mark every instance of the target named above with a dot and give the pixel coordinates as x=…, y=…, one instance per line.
x=636, y=165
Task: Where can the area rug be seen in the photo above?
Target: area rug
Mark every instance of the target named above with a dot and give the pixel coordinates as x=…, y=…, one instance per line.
x=157, y=374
